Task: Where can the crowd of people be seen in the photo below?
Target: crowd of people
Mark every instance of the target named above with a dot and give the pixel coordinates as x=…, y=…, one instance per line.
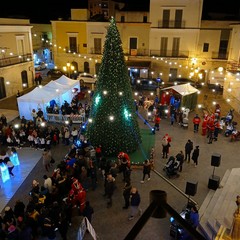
x=64, y=190
x=50, y=206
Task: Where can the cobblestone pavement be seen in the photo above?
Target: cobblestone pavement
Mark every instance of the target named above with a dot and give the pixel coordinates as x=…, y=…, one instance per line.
x=113, y=223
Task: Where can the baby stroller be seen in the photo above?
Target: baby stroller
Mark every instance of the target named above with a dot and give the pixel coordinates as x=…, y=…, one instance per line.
x=184, y=122
x=172, y=167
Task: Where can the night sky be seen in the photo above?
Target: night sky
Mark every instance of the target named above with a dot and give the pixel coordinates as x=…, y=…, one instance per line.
x=45, y=10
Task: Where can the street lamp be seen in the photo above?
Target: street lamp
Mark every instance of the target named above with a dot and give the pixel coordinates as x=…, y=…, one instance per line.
x=69, y=69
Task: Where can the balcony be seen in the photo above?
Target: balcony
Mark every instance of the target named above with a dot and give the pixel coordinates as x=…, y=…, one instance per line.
x=96, y=51
x=171, y=24
x=8, y=61
x=169, y=53
x=73, y=49
x=220, y=55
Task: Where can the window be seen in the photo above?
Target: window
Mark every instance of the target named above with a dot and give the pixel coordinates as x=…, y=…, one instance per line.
x=166, y=17
x=97, y=45
x=163, y=46
x=20, y=45
x=2, y=88
x=205, y=47
x=145, y=19
x=172, y=74
x=175, y=47
x=178, y=18
x=73, y=44
x=133, y=46
x=122, y=18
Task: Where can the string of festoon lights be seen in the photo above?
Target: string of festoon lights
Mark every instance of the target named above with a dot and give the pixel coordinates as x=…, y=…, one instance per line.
x=232, y=80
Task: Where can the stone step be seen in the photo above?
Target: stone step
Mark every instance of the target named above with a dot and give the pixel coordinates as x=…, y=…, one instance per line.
x=229, y=205
x=229, y=188
x=224, y=202
x=205, y=211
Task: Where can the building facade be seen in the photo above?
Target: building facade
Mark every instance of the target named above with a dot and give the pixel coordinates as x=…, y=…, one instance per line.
x=169, y=41
x=16, y=53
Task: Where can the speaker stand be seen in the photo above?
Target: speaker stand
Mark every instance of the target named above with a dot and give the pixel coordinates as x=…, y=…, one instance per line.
x=213, y=171
x=189, y=203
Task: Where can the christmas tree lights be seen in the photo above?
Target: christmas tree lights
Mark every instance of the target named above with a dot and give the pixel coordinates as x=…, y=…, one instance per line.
x=114, y=123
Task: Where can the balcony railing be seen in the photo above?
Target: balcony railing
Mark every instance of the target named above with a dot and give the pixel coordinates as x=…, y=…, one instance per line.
x=171, y=24
x=74, y=49
x=8, y=61
x=96, y=51
x=136, y=52
x=219, y=55
x=169, y=53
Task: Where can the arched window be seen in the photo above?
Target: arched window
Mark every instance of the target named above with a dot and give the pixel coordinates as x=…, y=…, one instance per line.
x=86, y=67
x=97, y=66
x=75, y=64
x=2, y=88
x=24, y=79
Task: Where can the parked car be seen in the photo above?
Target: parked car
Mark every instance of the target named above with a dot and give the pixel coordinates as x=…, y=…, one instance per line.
x=187, y=80
x=54, y=73
x=146, y=84
x=87, y=78
x=40, y=67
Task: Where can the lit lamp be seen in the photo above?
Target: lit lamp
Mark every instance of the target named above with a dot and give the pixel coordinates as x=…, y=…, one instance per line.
x=69, y=68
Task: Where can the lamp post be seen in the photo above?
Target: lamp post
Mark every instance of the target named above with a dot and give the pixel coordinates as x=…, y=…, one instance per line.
x=68, y=68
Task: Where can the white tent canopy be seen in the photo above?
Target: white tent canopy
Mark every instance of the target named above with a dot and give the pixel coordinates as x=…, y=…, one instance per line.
x=64, y=92
x=183, y=89
x=188, y=93
x=37, y=98
x=59, y=90
x=64, y=80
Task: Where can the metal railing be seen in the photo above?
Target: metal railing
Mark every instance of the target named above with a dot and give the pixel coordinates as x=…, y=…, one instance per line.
x=59, y=118
x=169, y=53
x=8, y=61
x=171, y=24
x=175, y=187
x=220, y=55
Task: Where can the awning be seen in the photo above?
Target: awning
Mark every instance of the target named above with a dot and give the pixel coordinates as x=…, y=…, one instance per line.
x=138, y=64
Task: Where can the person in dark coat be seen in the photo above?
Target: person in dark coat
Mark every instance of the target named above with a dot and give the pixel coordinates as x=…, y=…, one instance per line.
x=126, y=194
x=188, y=150
x=195, y=155
x=109, y=189
x=135, y=200
x=88, y=211
x=63, y=225
x=180, y=158
x=146, y=170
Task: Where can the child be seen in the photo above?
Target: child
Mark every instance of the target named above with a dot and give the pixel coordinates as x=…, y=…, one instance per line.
x=10, y=165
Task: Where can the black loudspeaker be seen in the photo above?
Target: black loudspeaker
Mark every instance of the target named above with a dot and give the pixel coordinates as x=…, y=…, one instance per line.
x=191, y=188
x=216, y=160
x=213, y=182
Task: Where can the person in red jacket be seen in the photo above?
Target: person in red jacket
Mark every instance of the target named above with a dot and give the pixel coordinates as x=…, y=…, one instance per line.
x=196, y=122
x=204, y=125
x=157, y=120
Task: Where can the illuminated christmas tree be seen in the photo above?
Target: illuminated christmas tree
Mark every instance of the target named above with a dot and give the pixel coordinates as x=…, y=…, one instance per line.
x=113, y=121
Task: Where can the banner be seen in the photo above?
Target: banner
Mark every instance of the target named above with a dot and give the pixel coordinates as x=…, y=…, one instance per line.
x=91, y=229
x=82, y=230
x=86, y=225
